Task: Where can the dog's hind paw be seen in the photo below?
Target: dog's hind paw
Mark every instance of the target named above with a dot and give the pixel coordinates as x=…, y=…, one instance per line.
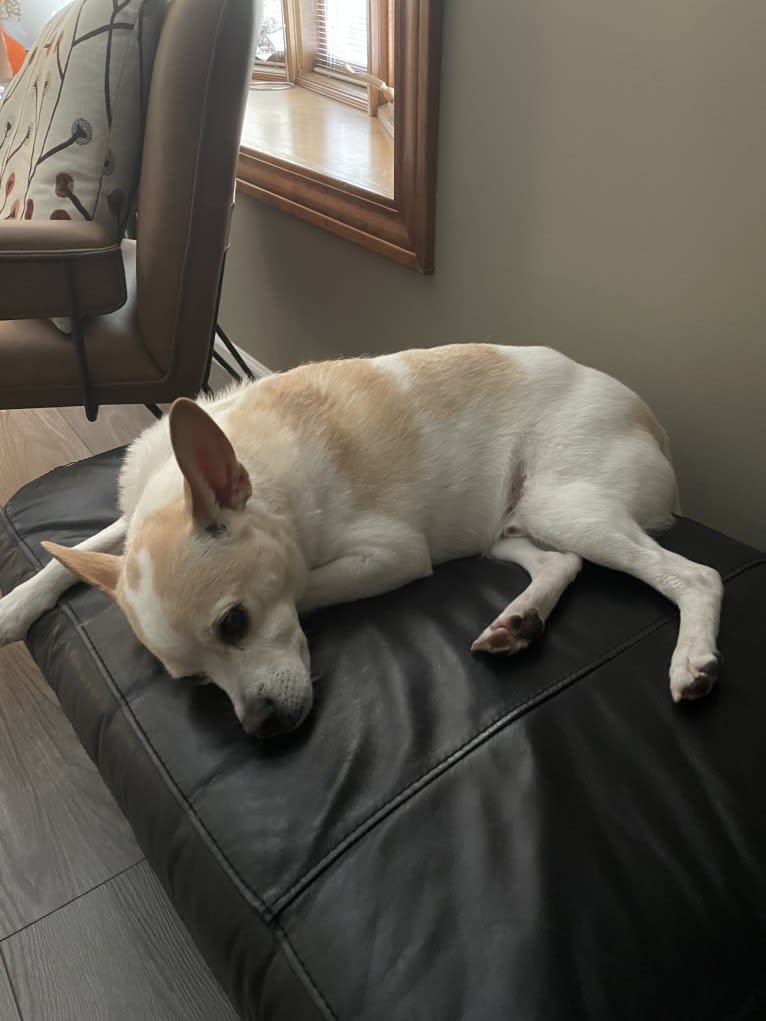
x=695, y=678
x=510, y=633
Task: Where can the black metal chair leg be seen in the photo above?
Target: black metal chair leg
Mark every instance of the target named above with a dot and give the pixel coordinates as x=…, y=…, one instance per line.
x=234, y=353
x=225, y=365
x=78, y=341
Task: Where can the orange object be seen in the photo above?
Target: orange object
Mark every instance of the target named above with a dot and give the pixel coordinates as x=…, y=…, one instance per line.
x=15, y=51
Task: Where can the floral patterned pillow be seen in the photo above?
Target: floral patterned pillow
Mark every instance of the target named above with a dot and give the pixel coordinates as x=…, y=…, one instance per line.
x=71, y=121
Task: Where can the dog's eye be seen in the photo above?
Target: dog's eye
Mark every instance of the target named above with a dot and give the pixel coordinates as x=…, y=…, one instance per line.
x=233, y=626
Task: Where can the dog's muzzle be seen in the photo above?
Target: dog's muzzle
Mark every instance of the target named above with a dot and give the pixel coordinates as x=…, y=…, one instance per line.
x=264, y=718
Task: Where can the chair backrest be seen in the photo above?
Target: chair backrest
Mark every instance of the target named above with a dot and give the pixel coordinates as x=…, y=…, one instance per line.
x=186, y=191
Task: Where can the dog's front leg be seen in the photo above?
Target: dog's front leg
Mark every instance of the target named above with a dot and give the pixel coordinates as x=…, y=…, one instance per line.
x=28, y=601
x=369, y=572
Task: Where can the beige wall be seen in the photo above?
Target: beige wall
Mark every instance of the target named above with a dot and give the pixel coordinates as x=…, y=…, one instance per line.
x=602, y=189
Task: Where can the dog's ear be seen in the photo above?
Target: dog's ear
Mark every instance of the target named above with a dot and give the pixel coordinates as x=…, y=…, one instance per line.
x=214, y=476
x=99, y=569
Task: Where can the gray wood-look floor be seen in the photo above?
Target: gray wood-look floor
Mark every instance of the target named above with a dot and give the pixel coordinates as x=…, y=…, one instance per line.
x=60, y=831
x=118, y=953
x=8, y=1011
x=86, y=931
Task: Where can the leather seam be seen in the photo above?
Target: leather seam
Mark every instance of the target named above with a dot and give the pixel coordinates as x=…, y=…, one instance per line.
x=127, y=709
x=270, y=914
x=54, y=254
x=434, y=771
x=304, y=974
x=292, y=956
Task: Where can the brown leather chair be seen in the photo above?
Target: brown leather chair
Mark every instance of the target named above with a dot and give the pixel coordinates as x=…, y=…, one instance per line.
x=143, y=311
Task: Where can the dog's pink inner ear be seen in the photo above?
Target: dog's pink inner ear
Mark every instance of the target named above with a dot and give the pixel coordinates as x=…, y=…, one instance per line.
x=215, y=478
x=221, y=471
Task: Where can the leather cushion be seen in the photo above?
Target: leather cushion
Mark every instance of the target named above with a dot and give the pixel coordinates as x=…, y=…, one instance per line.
x=41, y=262
x=449, y=837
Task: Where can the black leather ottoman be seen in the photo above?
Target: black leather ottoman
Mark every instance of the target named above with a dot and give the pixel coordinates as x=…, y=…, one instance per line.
x=450, y=837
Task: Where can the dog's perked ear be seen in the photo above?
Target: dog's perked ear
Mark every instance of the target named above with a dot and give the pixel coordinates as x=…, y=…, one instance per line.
x=214, y=477
x=100, y=569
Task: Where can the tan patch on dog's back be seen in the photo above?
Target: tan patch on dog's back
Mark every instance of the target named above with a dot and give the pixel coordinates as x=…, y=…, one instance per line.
x=355, y=408
x=366, y=417
x=445, y=378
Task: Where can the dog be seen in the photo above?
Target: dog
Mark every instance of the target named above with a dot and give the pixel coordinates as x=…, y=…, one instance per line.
x=341, y=480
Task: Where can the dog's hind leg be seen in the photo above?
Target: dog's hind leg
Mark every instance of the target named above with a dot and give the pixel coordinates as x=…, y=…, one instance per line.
x=523, y=620
x=21, y=607
x=582, y=518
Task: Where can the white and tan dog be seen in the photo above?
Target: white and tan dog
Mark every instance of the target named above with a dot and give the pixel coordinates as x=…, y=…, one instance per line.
x=345, y=479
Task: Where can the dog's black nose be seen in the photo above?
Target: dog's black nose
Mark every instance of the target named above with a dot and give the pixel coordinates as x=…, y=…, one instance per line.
x=260, y=718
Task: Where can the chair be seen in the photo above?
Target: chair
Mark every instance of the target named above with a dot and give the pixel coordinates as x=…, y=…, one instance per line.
x=143, y=311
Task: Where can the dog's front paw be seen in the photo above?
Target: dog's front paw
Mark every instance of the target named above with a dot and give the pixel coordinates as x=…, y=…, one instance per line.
x=694, y=677
x=510, y=633
x=16, y=616
x=12, y=628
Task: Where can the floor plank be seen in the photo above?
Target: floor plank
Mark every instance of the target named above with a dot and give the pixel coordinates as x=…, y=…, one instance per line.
x=8, y=1010
x=61, y=832
x=33, y=442
x=119, y=953
x=115, y=426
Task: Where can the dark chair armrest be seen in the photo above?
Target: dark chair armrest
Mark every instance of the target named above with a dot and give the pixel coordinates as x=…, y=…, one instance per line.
x=42, y=261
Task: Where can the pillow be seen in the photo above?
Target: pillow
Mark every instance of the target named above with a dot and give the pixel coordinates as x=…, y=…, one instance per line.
x=71, y=121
